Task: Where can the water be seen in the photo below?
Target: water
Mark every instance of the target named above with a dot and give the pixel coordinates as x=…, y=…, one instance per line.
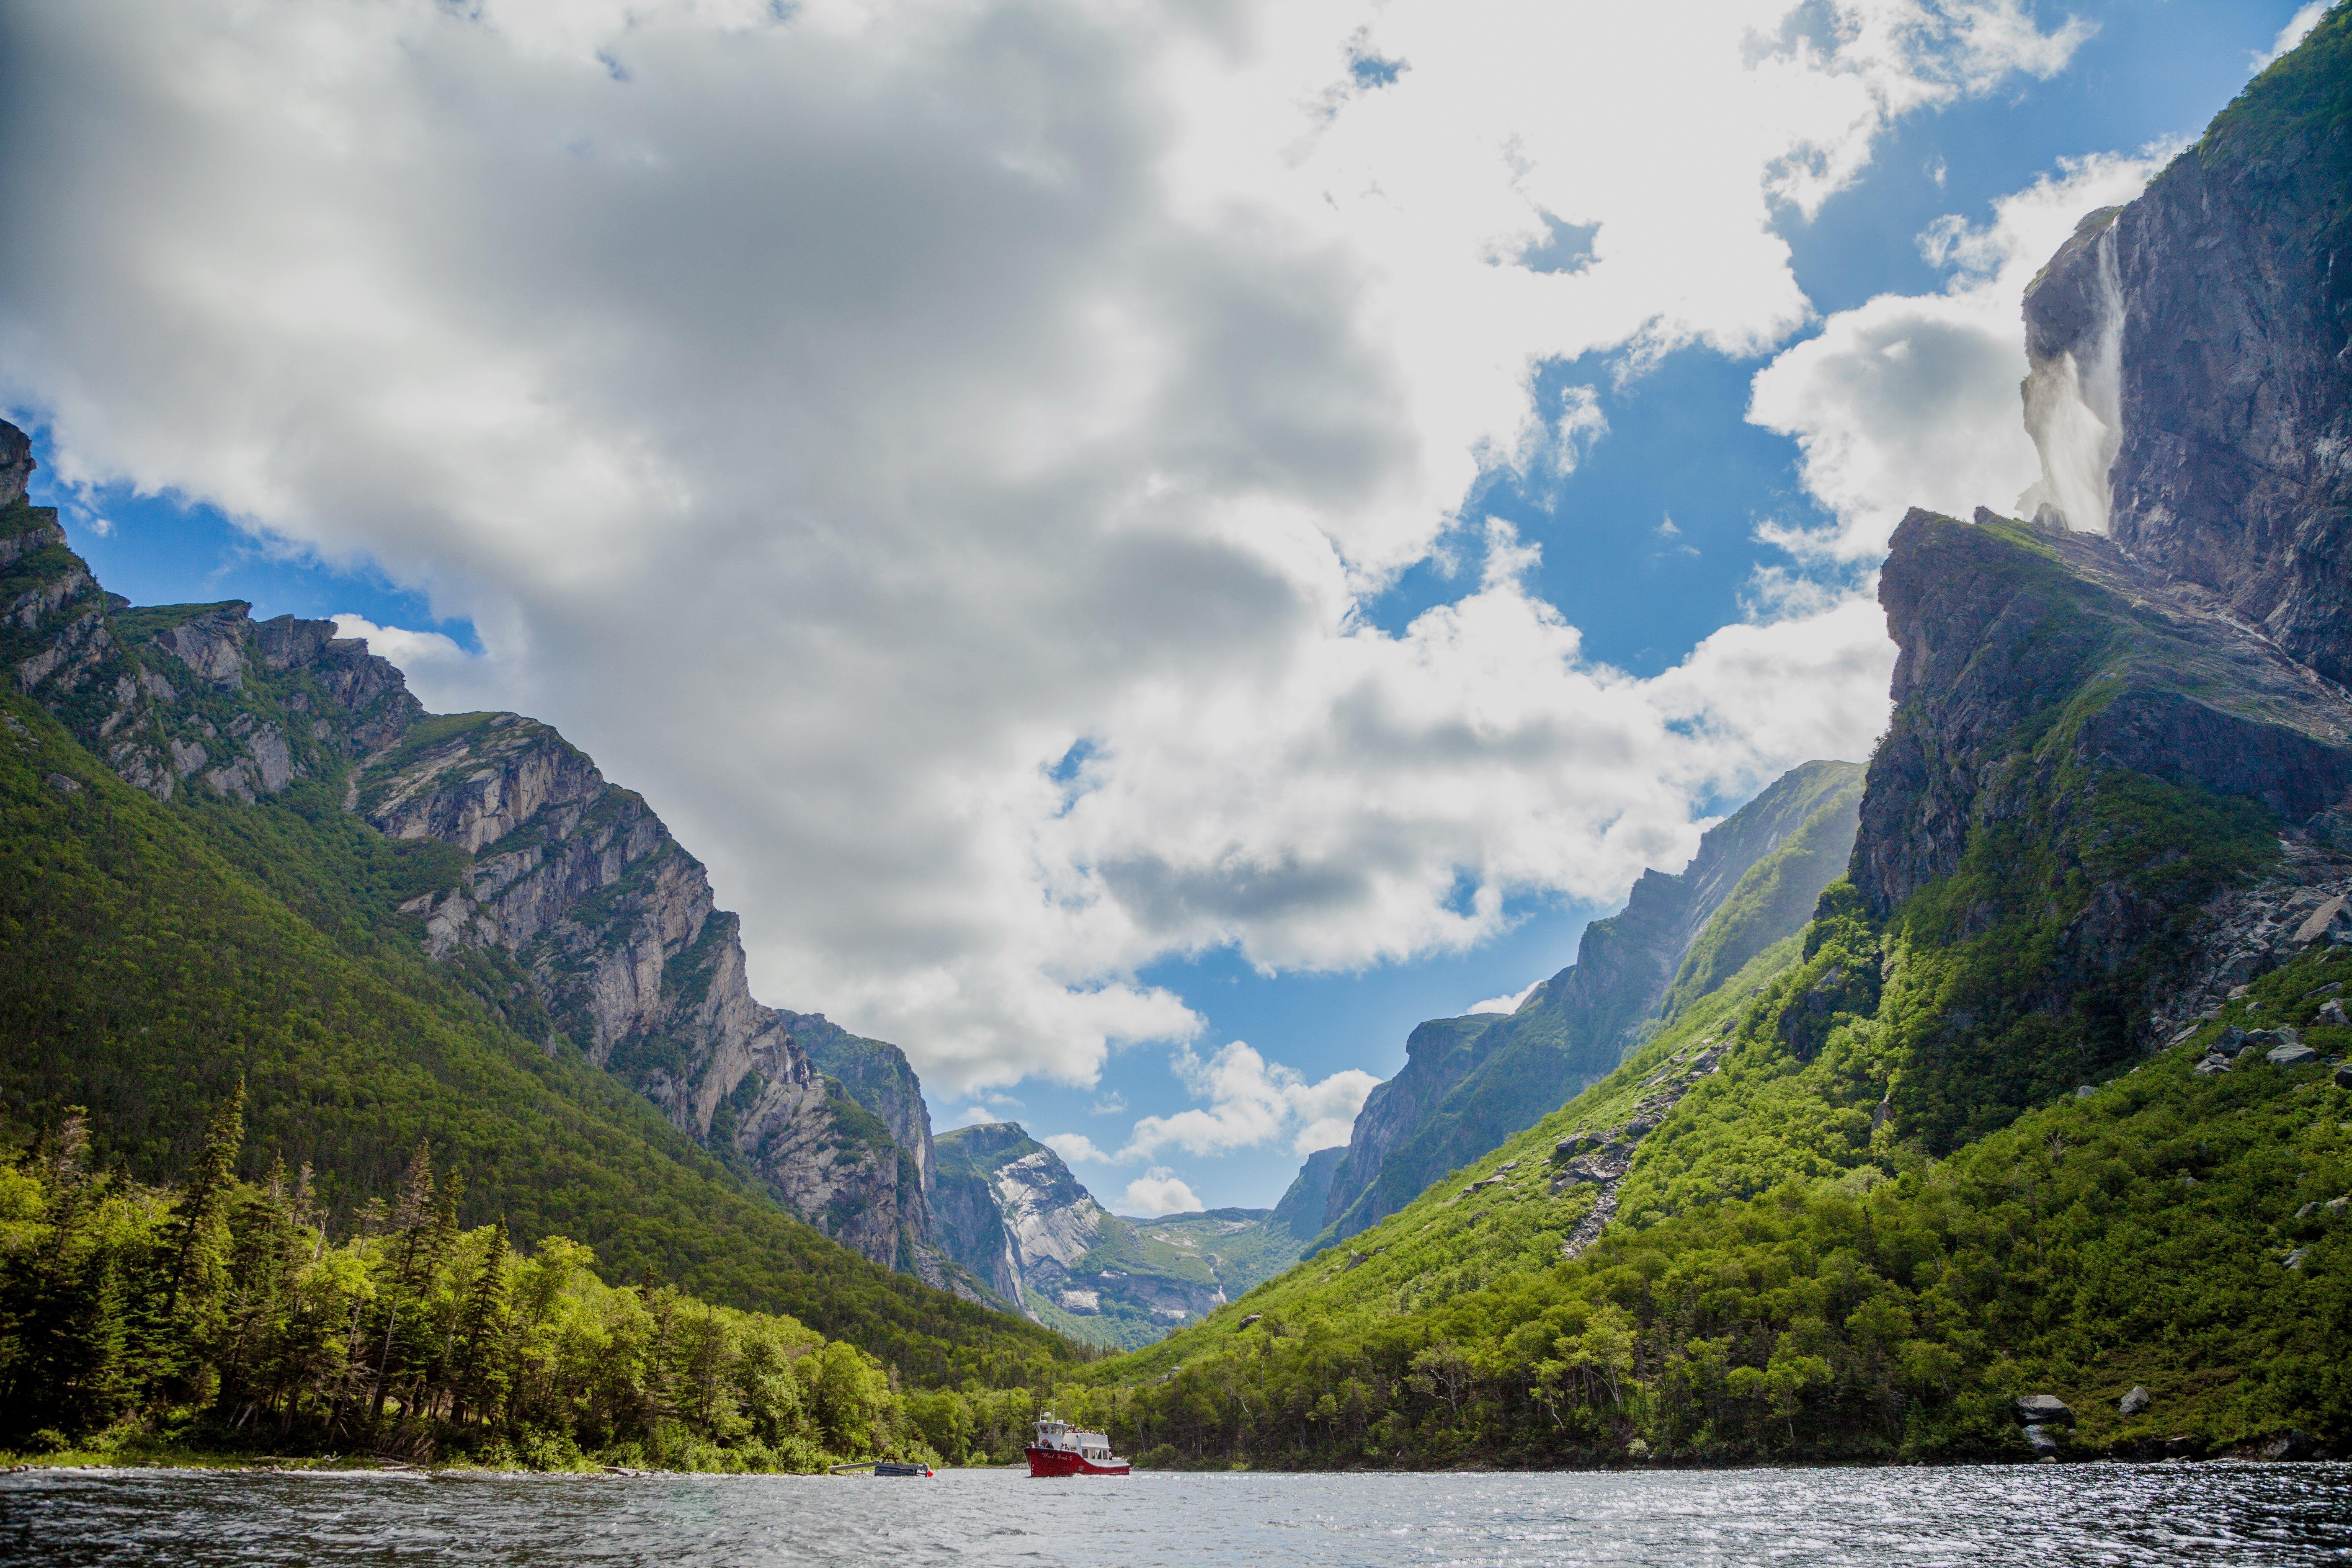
x=2215, y=1516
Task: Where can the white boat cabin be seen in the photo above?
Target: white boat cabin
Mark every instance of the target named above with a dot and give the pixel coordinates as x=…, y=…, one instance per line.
x=1063, y=1437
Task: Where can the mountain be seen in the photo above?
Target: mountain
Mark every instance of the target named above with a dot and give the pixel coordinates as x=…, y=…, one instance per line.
x=2033, y=1142
x=1300, y=1210
x=394, y=924
x=1470, y=1082
x=1013, y=1214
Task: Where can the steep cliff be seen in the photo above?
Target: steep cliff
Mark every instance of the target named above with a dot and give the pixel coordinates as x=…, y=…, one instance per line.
x=1470, y=1082
x=1010, y=1212
x=610, y=922
x=2209, y=321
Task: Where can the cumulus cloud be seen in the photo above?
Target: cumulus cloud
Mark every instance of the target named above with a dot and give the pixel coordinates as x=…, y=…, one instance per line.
x=1252, y=1102
x=433, y=661
x=1073, y=1147
x=1158, y=1192
x=1912, y=400
x=836, y=417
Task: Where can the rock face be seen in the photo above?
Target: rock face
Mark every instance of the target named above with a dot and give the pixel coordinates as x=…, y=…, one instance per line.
x=2231, y=283
x=1300, y=1210
x=1469, y=1083
x=2004, y=633
x=610, y=923
x=1010, y=1212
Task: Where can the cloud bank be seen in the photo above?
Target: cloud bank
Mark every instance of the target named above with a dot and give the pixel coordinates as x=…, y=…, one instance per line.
x=939, y=452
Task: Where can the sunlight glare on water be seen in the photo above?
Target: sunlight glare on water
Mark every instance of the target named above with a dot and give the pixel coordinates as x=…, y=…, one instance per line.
x=2251, y=1515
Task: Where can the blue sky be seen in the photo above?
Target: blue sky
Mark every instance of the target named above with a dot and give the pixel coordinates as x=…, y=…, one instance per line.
x=1677, y=447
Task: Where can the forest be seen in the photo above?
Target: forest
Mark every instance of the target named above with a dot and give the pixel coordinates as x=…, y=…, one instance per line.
x=214, y=1318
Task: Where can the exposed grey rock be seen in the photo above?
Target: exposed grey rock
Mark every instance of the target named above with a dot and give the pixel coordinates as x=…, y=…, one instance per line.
x=2046, y=1409
x=2321, y=920
x=2038, y=1438
x=64, y=785
x=2085, y=1092
x=2211, y=1065
x=2292, y=1056
x=2295, y=1260
x=2332, y=1013
x=17, y=463
x=2289, y=1445
x=1253, y=1318
x=2137, y=1400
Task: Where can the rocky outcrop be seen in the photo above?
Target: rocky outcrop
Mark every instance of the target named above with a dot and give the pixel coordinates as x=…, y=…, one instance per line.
x=877, y=1076
x=1469, y=1083
x=16, y=464
x=2227, y=290
x=2010, y=636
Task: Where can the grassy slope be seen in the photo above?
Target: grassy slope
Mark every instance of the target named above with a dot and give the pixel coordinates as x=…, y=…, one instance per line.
x=156, y=954
x=1539, y=1057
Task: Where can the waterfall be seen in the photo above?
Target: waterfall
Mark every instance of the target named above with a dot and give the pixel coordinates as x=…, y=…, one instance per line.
x=2073, y=411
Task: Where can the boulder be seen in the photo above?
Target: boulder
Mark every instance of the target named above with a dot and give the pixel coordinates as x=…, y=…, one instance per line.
x=2292, y=1056
x=2043, y=1444
x=1253, y=1318
x=2287, y=1444
x=2321, y=920
x=2043, y=1409
x=2137, y=1400
x=2344, y=1076
x=2228, y=1039
x=2295, y=1258
x=2210, y=1066
x=2085, y=1092
x=2332, y=1013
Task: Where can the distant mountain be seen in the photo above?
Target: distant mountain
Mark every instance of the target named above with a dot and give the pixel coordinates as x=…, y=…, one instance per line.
x=1010, y=1212
x=1470, y=1082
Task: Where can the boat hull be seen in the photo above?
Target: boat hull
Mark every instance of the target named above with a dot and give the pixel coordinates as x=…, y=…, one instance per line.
x=1062, y=1462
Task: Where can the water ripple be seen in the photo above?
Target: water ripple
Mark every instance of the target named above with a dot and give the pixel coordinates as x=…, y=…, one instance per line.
x=2244, y=1516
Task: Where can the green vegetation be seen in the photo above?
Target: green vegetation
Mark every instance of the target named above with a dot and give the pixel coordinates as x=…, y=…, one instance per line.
x=158, y=954
x=2137, y=1236
x=1243, y=1247
x=217, y=1317
x=2304, y=97
x=1792, y=840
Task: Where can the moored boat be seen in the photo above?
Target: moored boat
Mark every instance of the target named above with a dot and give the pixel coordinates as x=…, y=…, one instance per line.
x=1062, y=1449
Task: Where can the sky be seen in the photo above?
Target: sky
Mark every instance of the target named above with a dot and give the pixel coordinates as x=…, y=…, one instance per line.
x=1149, y=544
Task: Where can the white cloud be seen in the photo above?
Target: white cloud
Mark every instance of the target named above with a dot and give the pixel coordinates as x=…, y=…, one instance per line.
x=1252, y=1103
x=433, y=661
x=1110, y=1104
x=829, y=415
x=1913, y=400
x=1073, y=1147
x=1502, y=1004
x=1156, y=1192
x=2297, y=28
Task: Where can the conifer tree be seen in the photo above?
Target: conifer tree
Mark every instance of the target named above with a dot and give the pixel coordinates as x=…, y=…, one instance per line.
x=479, y=1372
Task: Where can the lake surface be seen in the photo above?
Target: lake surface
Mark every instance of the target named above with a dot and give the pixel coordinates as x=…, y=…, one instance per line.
x=2045, y=1516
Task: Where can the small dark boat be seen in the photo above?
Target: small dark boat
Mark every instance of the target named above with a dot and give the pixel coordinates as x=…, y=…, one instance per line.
x=893, y=1467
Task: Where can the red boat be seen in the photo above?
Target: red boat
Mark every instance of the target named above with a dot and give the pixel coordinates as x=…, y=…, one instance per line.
x=1061, y=1449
